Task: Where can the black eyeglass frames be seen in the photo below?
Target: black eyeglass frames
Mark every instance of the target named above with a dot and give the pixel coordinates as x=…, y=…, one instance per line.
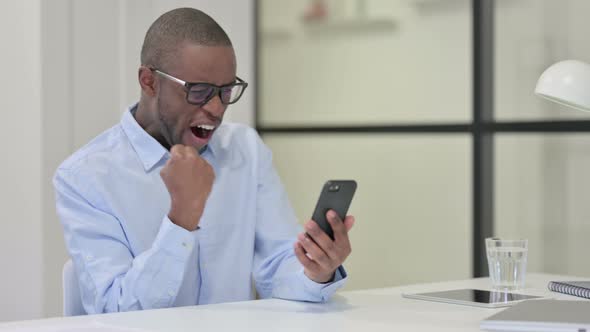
x=200, y=93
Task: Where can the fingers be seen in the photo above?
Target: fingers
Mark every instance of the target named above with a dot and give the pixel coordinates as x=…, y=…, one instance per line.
x=315, y=253
x=177, y=150
x=311, y=268
x=341, y=247
x=307, y=263
x=184, y=152
x=349, y=222
x=180, y=151
x=339, y=227
x=177, y=153
x=320, y=255
x=320, y=238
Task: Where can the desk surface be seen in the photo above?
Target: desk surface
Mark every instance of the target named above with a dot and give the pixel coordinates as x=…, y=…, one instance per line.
x=366, y=310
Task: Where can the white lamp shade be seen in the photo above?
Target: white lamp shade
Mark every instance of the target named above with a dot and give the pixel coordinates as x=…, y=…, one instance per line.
x=568, y=83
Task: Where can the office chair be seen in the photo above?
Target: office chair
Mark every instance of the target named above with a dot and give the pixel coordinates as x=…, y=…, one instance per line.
x=71, y=292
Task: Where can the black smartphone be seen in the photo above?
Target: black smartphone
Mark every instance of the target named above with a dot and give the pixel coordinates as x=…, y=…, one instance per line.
x=336, y=195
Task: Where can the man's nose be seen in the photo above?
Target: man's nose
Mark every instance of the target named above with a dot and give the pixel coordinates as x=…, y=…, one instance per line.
x=215, y=107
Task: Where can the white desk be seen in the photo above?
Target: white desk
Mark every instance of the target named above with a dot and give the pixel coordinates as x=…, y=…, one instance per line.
x=358, y=311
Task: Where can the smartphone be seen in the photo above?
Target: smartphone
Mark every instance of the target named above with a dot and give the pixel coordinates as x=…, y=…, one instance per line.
x=336, y=195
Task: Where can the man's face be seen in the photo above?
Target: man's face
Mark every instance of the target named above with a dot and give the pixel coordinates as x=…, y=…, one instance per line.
x=184, y=123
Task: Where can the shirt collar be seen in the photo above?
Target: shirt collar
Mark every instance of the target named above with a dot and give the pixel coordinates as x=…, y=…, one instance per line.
x=148, y=149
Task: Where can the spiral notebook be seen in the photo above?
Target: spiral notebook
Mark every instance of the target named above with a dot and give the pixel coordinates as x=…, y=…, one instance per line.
x=575, y=288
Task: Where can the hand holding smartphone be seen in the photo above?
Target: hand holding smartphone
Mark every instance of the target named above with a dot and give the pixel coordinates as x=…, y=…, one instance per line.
x=335, y=195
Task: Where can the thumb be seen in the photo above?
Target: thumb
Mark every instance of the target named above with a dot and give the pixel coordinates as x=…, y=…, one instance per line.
x=349, y=222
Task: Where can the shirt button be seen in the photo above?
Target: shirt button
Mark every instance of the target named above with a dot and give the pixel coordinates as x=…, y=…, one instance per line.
x=186, y=245
x=171, y=293
x=89, y=258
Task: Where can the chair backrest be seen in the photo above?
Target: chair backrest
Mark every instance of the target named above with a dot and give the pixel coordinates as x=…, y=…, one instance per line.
x=71, y=291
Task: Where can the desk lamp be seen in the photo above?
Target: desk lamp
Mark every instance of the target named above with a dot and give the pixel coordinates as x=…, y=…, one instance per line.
x=567, y=83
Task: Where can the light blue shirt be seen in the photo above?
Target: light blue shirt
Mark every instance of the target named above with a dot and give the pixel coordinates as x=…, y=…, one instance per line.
x=128, y=255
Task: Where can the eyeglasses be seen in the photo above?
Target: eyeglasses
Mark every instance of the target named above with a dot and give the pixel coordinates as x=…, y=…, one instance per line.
x=201, y=93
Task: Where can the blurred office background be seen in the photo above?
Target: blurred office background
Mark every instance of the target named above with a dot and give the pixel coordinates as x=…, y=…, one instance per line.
x=381, y=91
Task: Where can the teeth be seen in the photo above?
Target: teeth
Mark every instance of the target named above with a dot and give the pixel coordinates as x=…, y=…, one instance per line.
x=206, y=127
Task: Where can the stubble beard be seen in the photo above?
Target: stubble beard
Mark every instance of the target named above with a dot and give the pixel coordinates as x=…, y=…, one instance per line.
x=167, y=128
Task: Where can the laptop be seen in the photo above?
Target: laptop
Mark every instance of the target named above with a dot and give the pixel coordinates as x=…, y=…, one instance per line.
x=542, y=315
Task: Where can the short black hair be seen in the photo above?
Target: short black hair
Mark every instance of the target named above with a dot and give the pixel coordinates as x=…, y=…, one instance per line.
x=175, y=27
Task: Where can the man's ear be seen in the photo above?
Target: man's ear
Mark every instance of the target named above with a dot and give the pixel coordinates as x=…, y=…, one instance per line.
x=147, y=81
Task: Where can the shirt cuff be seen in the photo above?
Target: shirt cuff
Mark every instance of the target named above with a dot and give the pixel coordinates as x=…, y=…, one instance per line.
x=325, y=291
x=174, y=239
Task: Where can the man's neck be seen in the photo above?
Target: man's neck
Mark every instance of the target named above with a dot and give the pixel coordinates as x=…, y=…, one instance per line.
x=145, y=121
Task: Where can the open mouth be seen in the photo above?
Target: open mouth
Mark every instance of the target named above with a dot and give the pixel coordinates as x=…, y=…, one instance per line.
x=203, y=131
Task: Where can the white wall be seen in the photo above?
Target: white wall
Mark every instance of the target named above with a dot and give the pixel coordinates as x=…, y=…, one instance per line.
x=413, y=202
x=20, y=139
x=414, y=67
x=531, y=35
x=69, y=72
x=413, y=220
x=540, y=190
x=421, y=71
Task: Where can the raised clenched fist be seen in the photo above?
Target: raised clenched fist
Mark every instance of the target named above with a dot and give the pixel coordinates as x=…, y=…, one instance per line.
x=189, y=179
